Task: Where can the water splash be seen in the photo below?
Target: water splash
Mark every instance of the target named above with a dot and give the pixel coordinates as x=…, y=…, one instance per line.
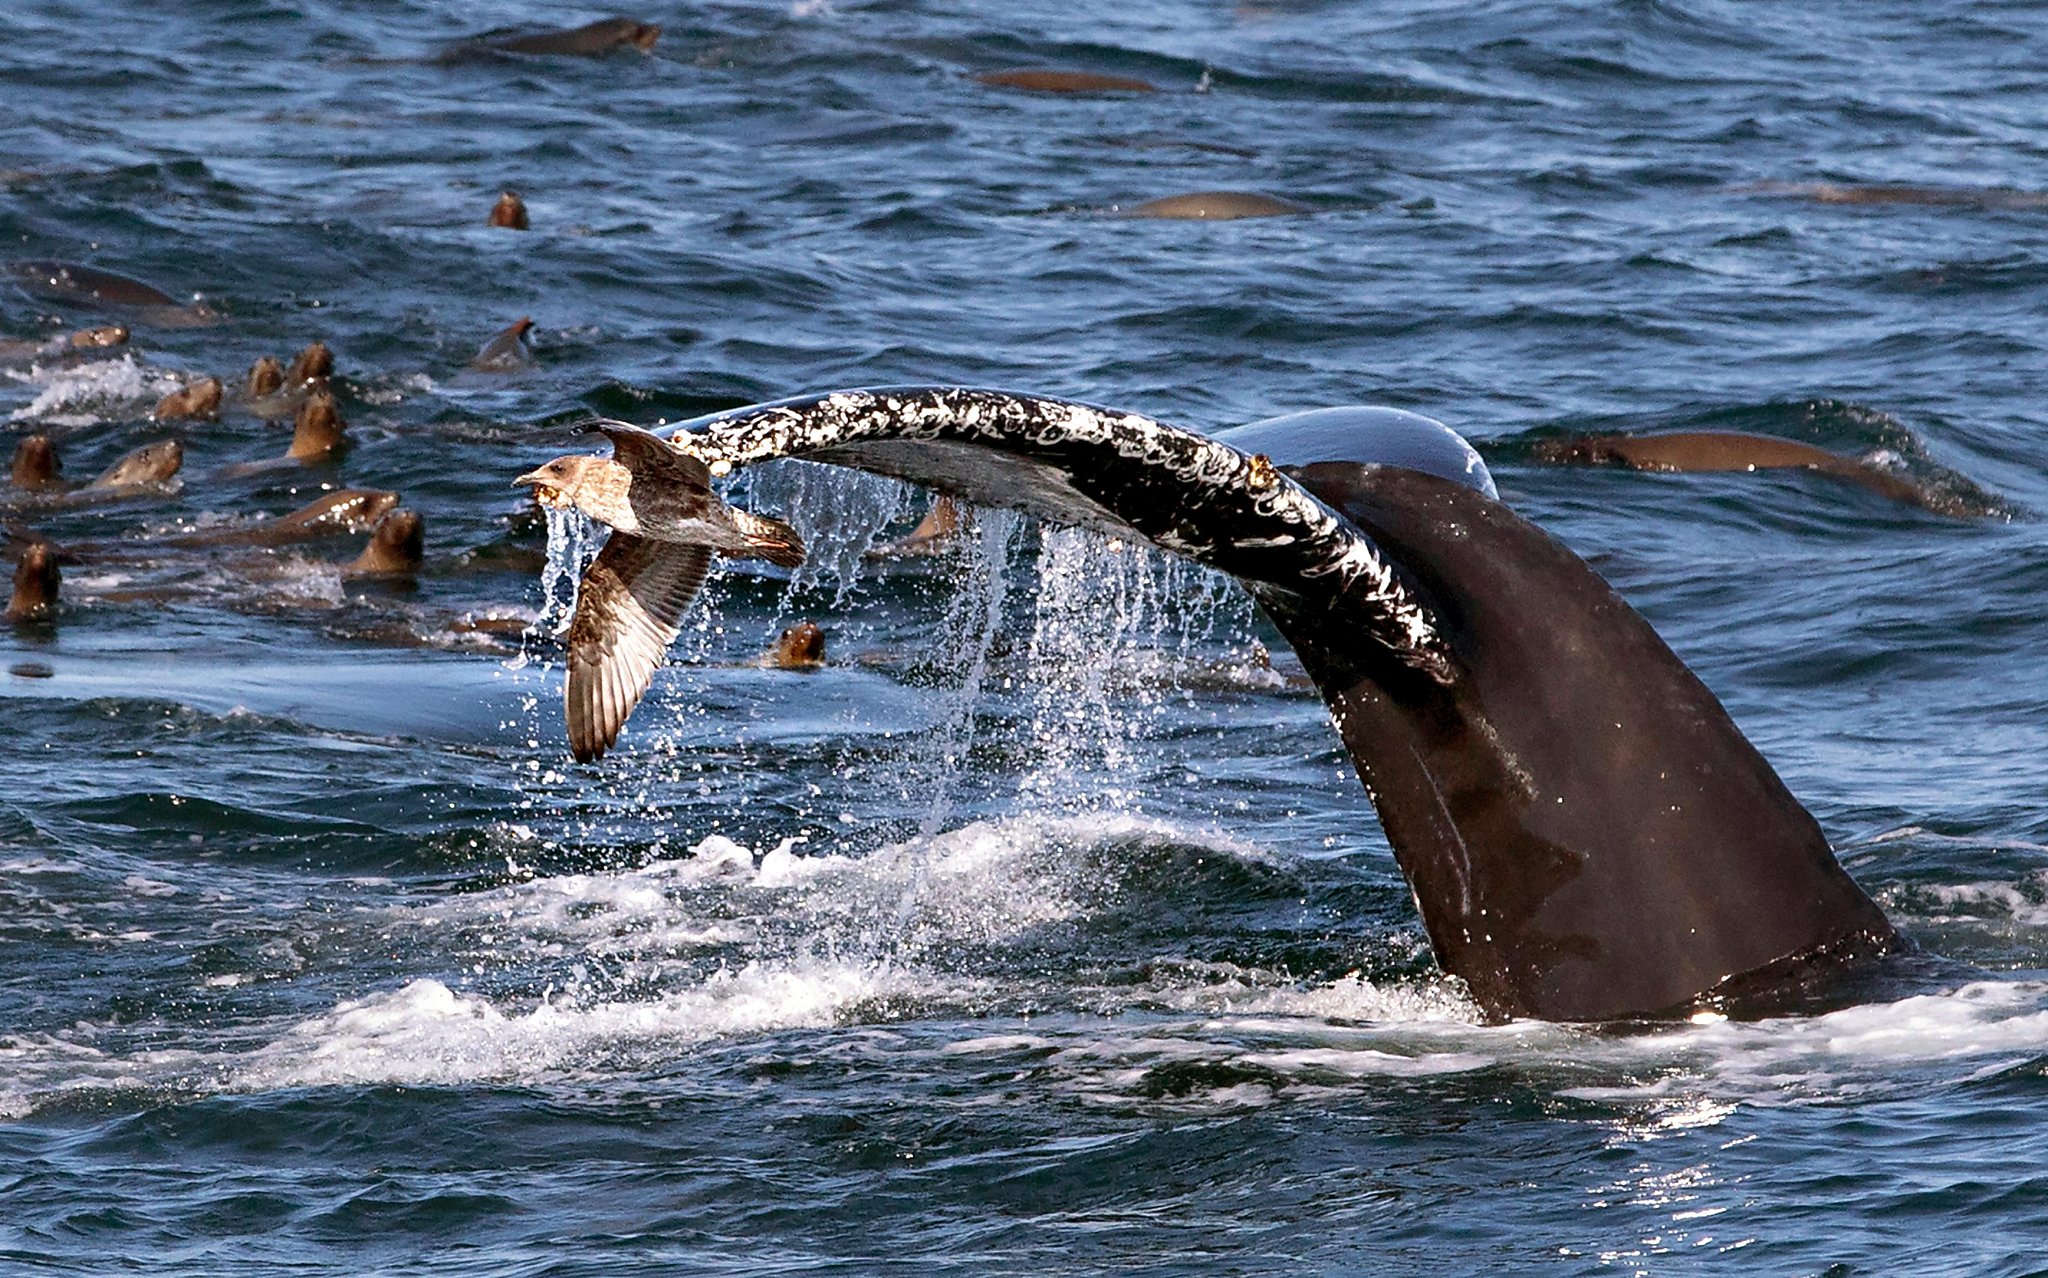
x=966, y=638
x=572, y=543
x=840, y=513
x=92, y=392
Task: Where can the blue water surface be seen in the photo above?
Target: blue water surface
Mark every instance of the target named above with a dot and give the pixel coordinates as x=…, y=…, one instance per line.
x=1043, y=931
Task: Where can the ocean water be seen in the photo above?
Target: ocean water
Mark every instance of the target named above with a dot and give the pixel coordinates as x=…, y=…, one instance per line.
x=1043, y=931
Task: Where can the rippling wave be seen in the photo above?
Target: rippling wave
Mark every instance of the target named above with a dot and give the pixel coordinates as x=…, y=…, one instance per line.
x=1045, y=929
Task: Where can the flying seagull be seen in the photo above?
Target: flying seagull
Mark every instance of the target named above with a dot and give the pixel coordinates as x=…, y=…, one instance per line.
x=666, y=523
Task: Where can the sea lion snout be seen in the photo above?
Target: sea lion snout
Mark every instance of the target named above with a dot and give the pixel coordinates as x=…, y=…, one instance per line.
x=35, y=463
x=801, y=647
x=317, y=429
x=397, y=548
x=99, y=338
x=315, y=363
x=266, y=377
x=35, y=584
x=198, y=399
x=509, y=212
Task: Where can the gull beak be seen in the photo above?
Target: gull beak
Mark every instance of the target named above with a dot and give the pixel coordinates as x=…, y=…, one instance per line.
x=544, y=490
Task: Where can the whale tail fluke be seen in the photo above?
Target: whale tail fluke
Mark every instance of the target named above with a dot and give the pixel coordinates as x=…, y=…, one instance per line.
x=1588, y=833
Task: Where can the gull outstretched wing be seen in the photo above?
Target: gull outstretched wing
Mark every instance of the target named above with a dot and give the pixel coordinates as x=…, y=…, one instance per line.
x=629, y=607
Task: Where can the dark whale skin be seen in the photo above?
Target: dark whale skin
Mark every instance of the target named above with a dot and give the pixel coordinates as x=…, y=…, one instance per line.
x=1588, y=834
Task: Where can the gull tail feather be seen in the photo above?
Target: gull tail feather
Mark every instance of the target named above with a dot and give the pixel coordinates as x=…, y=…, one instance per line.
x=770, y=539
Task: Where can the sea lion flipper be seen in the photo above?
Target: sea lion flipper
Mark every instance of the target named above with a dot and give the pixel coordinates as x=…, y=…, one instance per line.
x=638, y=450
x=629, y=608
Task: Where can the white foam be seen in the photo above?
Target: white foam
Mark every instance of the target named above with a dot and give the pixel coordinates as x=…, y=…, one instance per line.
x=1979, y=1028
x=90, y=391
x=1986, y=900
x=426, y=1033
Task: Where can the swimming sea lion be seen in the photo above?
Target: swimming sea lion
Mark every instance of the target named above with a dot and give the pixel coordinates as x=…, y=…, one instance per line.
x=36, y=466
x=315, y=363
x=1587, y=833
x=665, y=522
x=99, y=338
x=72, y=282
x=266, y=377
x=85, y=339
x=586, y=41
x=1727, y=450
x=1987, y=197
x=35, y=585
x=509, y=212
x=800, y=647
x=195, y=399
x=1049, y=80
x=141, y=467
x=508, y=352
x=350, y=510
x=1217, y=206
x=316, y=429
x=396, y=549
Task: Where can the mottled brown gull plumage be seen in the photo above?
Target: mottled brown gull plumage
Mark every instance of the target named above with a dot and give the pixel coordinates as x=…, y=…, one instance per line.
x=629, y=608
x=666, y=524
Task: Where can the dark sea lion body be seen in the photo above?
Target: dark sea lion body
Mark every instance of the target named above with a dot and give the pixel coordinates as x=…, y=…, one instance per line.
x=97, y=339
x=36, y=578
x=1717, y=451
x=316, y=429
x=1052, y=80
x=1588, y=835
x=1217, y=206
x=70, y=347
x=351, y=510
x=1988, y=197
x=936, y=534
x=591, y=40
x=87, y=285
x=318, y=436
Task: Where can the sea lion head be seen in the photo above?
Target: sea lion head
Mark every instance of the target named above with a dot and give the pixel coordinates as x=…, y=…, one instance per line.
x=509, y=212
x=801, y=647
x=316, y=431
x=398, y=547
x=642, y=35
x=596, y=486
x=149, y=464
x=106, y=335
x=314, y=363
x=35, y=584
x=266, y=377
x=35, y=463
x=199, y=399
